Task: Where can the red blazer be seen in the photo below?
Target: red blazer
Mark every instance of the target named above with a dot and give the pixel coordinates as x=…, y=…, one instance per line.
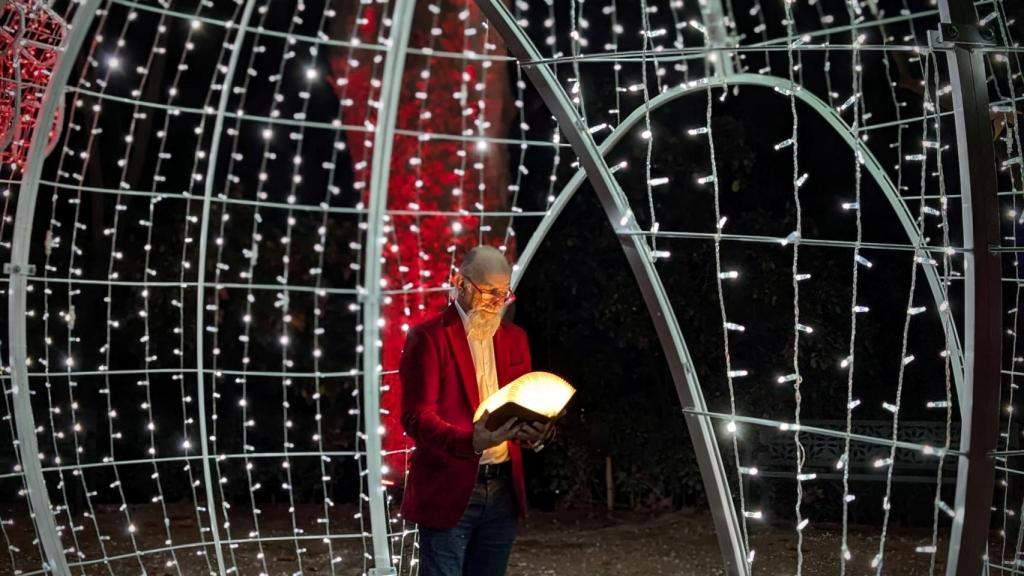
x=439, y=397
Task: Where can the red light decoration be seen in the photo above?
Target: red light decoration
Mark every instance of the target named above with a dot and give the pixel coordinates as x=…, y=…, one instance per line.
x=423, y=260
x=31, y=42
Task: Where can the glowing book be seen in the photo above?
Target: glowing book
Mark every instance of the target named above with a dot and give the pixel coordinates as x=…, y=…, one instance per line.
x=533, y=397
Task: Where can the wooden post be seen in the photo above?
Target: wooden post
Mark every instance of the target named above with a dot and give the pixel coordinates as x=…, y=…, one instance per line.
x=609, y=483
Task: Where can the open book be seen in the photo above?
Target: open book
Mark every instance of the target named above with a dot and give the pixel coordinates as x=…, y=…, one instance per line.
x=533, y=397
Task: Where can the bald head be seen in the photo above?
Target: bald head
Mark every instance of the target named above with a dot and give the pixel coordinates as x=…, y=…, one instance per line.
x=484, y=261
x=483, y=283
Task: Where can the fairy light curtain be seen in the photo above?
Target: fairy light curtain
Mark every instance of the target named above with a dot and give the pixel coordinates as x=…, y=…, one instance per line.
x=214, y=157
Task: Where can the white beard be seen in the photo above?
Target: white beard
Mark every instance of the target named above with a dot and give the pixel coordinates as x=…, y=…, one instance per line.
x=482, y=325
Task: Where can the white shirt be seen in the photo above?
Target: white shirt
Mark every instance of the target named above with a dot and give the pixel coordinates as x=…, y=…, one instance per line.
x=486, y=381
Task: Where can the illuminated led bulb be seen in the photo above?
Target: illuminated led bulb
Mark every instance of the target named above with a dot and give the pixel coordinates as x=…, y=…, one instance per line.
x=787, y=378
x=938, y=404
x=945, y=508
x=751, y=471
x=750, y=556
x=803, y=524
x=735, y=327
x=659, y=181
x=908, y=359
x=851, y=205
x=793, y=237
x=915, y=310
x=738, y=373
x=785, y=143
x=731, y=274
x=731, y=427
x=861, y=309
x=698, y=131
x=706, y=179
x=806, y=477
x=804, y=328
x=852, y=404
x=863, y=261
x=755, y=514
x=890, y=407
x=883, y=462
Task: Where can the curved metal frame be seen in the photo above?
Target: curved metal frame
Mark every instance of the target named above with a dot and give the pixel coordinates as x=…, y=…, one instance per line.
x=21, y=245
x=380, y=172
x=616, y=207
x=218, y=128
x=979, y=402
x=872, y=164
x=979, y=419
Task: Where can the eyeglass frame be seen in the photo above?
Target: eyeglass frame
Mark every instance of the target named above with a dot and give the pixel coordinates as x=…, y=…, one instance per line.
x=507, y=299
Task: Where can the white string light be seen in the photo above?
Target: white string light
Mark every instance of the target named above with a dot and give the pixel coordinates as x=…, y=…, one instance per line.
x=877, y=563
x=726, y=327
x=114, y=65
x=855, y=308
x=798, y=180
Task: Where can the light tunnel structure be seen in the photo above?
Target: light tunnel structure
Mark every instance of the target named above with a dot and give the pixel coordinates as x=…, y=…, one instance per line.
x=965, y=39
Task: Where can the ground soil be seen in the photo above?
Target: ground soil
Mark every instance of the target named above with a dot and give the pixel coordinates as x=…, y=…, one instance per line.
x=578, y=542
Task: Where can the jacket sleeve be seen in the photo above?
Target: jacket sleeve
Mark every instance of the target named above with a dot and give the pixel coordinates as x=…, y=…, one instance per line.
x=420, y=374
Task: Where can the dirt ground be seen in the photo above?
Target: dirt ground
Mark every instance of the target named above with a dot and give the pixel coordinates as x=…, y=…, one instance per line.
x=569, y=542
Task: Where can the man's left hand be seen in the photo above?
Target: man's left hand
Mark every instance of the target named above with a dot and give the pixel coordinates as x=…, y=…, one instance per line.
x=535, y=434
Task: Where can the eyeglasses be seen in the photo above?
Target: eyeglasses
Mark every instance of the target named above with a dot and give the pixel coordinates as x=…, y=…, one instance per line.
x=505, y=297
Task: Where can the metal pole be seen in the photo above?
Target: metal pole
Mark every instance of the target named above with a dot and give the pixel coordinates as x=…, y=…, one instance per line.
x=38, y=496
x=211, y=172
x=979, y=399
x=380, y=173
x=616, y=207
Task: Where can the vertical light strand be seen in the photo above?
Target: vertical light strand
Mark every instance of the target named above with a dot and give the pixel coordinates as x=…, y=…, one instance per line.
x=947, y=254
x=727, y=326
x=111, y=324
x=159, y=179
x=551, y=23
x=850, y=360
x=159, y=45
x=920, y=257
x=798, y=180
x=647, y=134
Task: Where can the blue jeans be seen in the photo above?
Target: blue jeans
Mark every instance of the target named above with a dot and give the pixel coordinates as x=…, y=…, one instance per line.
x=480, y=544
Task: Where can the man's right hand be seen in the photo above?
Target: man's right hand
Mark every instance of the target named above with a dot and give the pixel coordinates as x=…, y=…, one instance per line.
x=484, y=438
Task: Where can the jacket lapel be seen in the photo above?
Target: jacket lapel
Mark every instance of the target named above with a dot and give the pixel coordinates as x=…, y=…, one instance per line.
x=463, y=357
x=501, y=356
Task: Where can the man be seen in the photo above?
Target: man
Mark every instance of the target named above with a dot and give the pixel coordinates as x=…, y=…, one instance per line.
x=465, y=488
